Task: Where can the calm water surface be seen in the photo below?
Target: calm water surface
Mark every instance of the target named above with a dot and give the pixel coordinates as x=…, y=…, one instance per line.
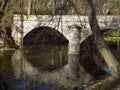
x=49, y=66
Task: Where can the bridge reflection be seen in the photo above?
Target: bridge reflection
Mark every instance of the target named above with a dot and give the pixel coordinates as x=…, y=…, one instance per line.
x=70, y=75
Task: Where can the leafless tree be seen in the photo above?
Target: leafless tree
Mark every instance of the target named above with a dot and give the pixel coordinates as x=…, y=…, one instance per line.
x=99, y=41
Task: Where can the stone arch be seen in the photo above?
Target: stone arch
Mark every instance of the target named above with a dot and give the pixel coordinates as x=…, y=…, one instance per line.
x=44, y=35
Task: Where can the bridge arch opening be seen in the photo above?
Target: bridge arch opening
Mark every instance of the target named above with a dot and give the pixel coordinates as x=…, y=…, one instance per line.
x=44, y=36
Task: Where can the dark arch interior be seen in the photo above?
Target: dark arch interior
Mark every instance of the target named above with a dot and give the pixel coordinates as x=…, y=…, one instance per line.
x=44, y=36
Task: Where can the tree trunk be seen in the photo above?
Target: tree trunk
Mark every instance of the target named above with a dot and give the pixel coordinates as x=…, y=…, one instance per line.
x=2, y=8
x=29, y=7
x=99, y=41
x=4, y=4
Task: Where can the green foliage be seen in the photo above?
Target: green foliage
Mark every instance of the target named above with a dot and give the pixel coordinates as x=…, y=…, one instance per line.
x=7, y=17
x=112, y=39
x=111, y=35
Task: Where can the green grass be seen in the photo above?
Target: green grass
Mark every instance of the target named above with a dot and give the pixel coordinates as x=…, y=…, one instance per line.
x=111, y=36
x=111, y=39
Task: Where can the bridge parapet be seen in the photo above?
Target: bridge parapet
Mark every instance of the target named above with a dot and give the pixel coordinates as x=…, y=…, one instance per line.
x=105, y=22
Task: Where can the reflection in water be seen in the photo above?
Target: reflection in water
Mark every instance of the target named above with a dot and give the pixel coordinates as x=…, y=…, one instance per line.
x=21, y=67
x=115, y=48
x=73, y=74
x=6, y=64
x=52, y=65
x=118, y=45
x=48, y=58
x=70, y=75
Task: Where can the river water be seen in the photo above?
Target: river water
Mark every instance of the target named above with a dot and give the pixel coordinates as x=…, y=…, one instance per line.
x=45, y=68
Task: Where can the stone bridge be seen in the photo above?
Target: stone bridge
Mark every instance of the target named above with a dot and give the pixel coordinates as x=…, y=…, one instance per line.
x=74, y=28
